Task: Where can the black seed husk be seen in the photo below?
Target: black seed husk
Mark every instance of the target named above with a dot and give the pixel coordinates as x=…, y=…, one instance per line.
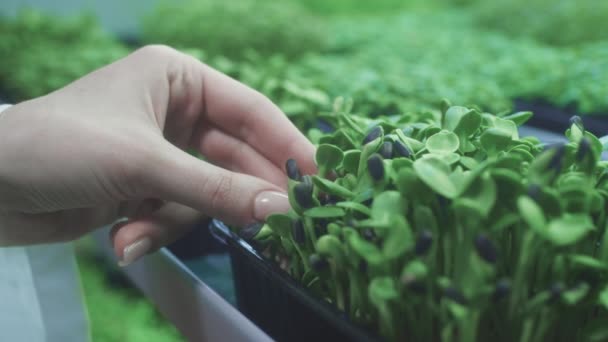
x=250, y=231
x=297, y=230
x=375, y=167
x=323, y=198
x=534, y=191
x=307, y=180
x=576, y=120
x=417, y=287
x=485, y=248
x=373, y=134
x=455, y=295
x=401, y=150
x=318, y=263
x=386, y=150
x=320, y=229
x=556, y=161
x=303, y=195
x=423, y=242
x=502, y=289
x=584, y=148
x=291, y=167
x=362, y=266
x=369, y=234
x=556, y=290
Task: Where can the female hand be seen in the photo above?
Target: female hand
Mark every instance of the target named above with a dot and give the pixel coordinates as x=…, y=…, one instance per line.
x=112, y=145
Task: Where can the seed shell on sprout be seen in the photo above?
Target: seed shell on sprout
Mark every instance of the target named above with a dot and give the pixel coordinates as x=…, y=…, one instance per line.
x=298, y=232
x=362, y=266
x=250, y=231
x=293, y=172
x=318, y=263
x=369, y=234
x=455, y=295
x=375, y=167
x=485, y=248
x=576, y=120
x=373, y=134
x=423, y=242
x=502, y=289
x=556, y=289
x=303, y=195
x=555, y=163
x=584, y=148
x=401, y=150
x=534, y=192
x=307, y=180
x=386, y=150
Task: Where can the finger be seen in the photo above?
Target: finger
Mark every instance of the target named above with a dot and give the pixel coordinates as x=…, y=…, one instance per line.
x=135, y=238
x=253, y=118
x=240, y=199
x=235, y=155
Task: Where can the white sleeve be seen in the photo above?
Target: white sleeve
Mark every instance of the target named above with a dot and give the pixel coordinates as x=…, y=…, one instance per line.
x=3, y=107
x=41, y=294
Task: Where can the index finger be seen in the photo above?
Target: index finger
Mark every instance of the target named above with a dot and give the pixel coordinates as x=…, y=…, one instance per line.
x=250, y=116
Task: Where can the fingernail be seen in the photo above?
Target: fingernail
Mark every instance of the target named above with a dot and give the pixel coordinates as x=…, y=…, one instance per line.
x=135, y=251
x=270, y=202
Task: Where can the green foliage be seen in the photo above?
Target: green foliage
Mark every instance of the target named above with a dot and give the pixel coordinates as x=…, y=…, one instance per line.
x=357, y=7
x=117, y=313
x=235, y=28
x=41, y=53
x=477, y=235
x=555, y=22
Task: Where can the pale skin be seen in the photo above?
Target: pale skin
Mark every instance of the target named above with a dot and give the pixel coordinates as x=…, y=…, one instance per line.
x=112, y=144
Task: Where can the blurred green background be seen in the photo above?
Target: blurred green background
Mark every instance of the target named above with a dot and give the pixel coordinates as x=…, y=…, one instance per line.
x=389, y=56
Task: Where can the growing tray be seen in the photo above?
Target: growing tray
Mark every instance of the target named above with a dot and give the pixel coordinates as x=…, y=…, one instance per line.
x=556, y=119
x=277, y=303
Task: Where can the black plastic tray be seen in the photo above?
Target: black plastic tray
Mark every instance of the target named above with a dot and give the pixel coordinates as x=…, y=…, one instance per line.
x=556, y=119
x=277, y=303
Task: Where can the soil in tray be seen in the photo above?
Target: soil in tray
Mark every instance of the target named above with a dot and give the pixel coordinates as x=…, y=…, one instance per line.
x=556, y=119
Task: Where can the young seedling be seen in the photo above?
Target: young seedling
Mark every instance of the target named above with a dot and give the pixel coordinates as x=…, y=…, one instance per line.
x=452, y=228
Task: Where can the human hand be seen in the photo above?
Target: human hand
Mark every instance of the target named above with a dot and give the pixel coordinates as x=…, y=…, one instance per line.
x=112, y=144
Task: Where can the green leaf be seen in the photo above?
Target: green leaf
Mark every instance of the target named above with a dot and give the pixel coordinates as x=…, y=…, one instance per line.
x=386, y=205
x=603, y=297
x=350, y=162
x=569, y=229
x=575, y=295
x=280, y=224
x=435, y=174
x=519, y=118
x=468, y=162
x=328, y=156
x=424, y=218
x=331, y=187
x=329, y=245
x=507, y=126
x=587, y=261
x=532, y=214
x=399, y=238
x=444, y=142
x=324, y=212
x=462, y=121
x=414, y=269
x=381, y=290
x=483, y=192
x=494, y=140
x=366, y=250
x=355, y=206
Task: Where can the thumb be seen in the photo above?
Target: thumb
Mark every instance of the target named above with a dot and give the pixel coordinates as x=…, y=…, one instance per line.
x=232, y=197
